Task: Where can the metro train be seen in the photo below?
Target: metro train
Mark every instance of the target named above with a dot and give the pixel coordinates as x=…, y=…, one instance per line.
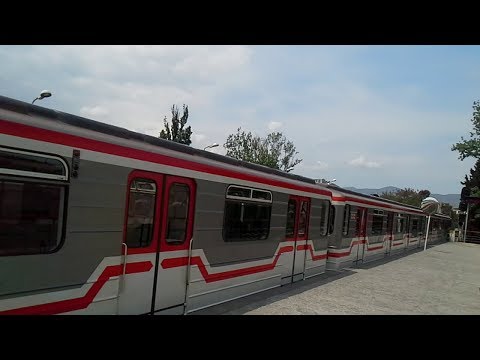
x=97, y=219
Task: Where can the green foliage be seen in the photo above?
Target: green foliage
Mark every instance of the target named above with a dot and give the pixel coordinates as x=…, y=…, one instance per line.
x=407, y=196
x=274, y=151
x=471, y=147
x=177, y=132
x=473, y=181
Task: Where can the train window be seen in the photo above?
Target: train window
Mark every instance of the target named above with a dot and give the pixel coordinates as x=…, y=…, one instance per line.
x=247, y=214
x=346, y=219
x=24, y=163
x=263, y=195
x=141, y=210
x=421, y=226
x=390, y=223
x=239, y=192
x=243, y=193
x=400, y=223
x=303, y=218
x=246, y=221
x=331, y=220
x=178, y=204
x=377, y=222
x=291, y=212
x=31, y=217
x=324, y=212
x=414, y=227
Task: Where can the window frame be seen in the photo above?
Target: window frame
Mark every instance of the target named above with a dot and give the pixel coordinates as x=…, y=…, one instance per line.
x=32, y=174
x=168, y=182
x=332, y=214
x=346, y=216
x=250, y=200
x=327, y=218
x=168, y=189
x=376, y=214
x=400, y=218
x=133, y=179
x=38, y=178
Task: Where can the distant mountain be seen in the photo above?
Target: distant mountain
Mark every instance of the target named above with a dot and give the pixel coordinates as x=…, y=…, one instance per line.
x=452, y=199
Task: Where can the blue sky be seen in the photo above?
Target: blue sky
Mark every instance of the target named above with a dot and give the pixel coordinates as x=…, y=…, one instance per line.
x=369, y=116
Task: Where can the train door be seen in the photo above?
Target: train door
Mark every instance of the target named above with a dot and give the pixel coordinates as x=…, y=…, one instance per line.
x=407, y=232
x=150, y=200
x=389, y=234
x=298, y=215
x=361, y=233
x=175, y=243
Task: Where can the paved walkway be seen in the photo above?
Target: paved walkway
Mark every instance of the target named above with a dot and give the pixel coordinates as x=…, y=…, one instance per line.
x=445, y=279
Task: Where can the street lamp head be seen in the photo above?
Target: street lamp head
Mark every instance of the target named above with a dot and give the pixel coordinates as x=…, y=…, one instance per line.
x=43, y=94
x=210, y=146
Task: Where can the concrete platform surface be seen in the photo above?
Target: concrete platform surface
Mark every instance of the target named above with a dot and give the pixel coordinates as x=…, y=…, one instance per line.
x=444, y=279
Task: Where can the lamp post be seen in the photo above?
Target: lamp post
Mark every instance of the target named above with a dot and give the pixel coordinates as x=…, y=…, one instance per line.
x=210, y=146
x=430, y=206
x=43, y=94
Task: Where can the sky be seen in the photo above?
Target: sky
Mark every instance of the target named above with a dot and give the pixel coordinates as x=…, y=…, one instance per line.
x=367, y=116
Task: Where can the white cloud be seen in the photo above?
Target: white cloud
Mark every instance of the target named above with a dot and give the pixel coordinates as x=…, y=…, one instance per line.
x=93, y=111
x=362, y=162
x=274, y=125
x=314, y=170
x=302, y=90
x=322, y=165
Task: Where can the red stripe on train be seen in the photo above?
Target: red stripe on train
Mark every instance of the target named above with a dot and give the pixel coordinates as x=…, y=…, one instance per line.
x=55, y=137
x=62, y=306
x=314, y=257
x=197, y=260
x=346, y=253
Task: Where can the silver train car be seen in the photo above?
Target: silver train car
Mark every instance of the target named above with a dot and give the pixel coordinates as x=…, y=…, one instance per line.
x=96, y=219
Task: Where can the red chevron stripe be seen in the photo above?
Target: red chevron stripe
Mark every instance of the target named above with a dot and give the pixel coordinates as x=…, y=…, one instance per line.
x=314, y=257
x=83, y=302
x=346, y=253
x=197, y=260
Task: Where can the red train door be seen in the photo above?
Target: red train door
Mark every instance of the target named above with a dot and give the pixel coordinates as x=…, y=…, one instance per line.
x=140, y=242
x=158, y=221
x=298, y=216
x=389, y=235
x=175, y=241
x=361, y=233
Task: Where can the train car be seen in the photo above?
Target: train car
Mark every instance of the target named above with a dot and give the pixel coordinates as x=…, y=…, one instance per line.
x=370, y=228
x=97, y=219
x=439, y=228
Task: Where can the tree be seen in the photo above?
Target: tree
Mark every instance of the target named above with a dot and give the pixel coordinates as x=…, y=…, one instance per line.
x=274, y=151
x=473, y=182
x=177, y=132
x=472, y=185
x=471, y=147
x=407, y=196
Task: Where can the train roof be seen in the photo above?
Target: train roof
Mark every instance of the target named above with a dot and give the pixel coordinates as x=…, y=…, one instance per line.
x=370, y=197
x=81, y=122
x=85, y=123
